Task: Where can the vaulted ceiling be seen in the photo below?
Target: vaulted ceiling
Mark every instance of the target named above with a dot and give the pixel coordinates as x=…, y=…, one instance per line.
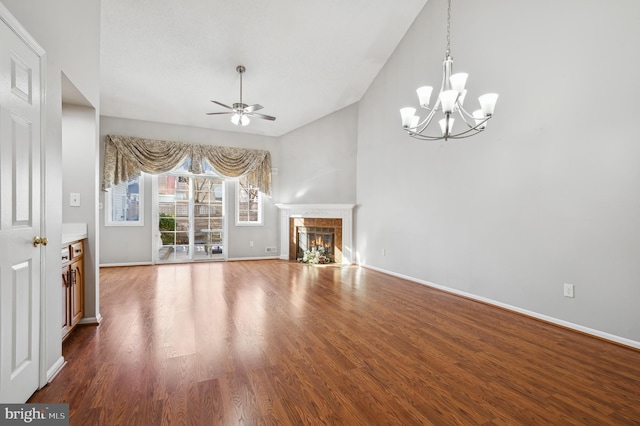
x=165, y=60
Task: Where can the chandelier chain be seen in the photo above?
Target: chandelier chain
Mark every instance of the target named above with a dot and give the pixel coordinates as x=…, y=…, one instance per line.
x=449, y=28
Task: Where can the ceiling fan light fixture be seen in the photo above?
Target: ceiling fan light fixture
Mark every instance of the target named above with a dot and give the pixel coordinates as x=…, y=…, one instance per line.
x=241, y=111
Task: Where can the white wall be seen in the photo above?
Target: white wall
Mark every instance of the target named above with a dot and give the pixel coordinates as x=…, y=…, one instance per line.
x=318, y=161
x=69, y=32
x=79, y=175
x=548, y=194
x=122, y=245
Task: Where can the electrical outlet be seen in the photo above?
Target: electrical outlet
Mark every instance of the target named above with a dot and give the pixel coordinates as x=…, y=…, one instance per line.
x=384, y=252
x=74, y=199
x=250, y=243
x=568, y=290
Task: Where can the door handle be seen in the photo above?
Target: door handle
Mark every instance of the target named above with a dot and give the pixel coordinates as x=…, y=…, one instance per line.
x=38, y=240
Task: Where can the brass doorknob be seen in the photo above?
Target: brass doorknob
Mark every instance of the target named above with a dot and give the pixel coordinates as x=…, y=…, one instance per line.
x=38, y=240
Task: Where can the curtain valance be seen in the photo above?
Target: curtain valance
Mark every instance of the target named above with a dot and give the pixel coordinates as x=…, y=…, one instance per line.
x=125, y=157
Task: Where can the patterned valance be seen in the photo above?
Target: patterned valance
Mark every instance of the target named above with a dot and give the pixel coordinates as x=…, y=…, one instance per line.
x=125, y=157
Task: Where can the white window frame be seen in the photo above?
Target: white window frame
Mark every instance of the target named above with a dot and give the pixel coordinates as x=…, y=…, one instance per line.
x=240, y=222
x=108, y=213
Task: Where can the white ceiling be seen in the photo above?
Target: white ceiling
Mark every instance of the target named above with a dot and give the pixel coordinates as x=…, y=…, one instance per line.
x=165, y=60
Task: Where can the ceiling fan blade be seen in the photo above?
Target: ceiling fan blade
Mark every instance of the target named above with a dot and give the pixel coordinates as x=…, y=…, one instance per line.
x=263, y=116
x=221, y=104
x=219, y=113
x=252, y=108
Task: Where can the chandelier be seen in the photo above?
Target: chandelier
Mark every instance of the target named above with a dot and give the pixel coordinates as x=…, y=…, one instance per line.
x=448, y=105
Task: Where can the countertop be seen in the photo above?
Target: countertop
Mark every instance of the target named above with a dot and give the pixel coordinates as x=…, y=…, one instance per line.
x=73, y=232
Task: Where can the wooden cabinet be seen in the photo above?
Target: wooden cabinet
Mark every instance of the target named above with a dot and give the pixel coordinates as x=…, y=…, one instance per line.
x=72, y=286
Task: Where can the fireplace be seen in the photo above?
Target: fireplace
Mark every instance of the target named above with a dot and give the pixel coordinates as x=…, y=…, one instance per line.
x=313, y=234
x=315, y=225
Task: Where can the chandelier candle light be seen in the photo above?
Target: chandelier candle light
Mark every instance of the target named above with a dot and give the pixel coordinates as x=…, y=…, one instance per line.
x=449, y=102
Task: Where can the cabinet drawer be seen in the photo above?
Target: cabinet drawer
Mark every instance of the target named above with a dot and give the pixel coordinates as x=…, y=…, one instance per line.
x=77, y=250
x=65, y=255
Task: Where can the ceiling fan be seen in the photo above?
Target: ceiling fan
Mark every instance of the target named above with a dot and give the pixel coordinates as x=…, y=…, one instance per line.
x=241, y=111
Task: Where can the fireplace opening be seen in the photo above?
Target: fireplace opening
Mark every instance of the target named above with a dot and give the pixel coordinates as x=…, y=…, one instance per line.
x=315, y=233
x=315, y=238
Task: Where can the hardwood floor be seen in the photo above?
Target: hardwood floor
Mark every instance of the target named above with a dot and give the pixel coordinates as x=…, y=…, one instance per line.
x=276, y=342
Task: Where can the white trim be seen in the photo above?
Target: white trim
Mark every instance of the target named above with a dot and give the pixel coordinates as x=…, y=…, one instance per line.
x=335, y=211
x=20, y=31
x=91, y=320
x=111, y=265
x=155, y=232
x=235, y=259
x=238, y=222
x=577, y=327
x=55, y=368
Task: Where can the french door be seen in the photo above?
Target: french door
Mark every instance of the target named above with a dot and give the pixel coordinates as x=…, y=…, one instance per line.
x=190, y=218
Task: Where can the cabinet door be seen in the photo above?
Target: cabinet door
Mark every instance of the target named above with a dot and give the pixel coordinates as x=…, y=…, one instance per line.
x=66, y=315
x=77, y=291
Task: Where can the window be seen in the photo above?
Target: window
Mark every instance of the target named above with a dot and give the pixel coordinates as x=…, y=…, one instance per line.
x=124, y=203
x=248, y=203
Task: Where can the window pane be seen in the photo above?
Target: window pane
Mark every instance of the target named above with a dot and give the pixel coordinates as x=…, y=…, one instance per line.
x=124, y=203
x=191, y=217
x=249, y=203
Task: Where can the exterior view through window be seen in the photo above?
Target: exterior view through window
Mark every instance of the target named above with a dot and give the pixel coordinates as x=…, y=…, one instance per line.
x=190, y=217
x=124, y=203
x=248, y=203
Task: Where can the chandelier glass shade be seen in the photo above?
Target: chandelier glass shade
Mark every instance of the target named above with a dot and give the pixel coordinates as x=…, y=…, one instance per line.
x=449, y=105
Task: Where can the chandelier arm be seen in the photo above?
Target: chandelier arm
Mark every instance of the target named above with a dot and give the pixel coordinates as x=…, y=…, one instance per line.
x=469, y=132
x=462, y=135
x=465, y=112
x=425, y=123
x=425, y=137
x=460, y=113
x=465, y=135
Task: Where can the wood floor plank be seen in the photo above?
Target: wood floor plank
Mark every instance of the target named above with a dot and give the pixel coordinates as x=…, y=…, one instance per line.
x=280, y=343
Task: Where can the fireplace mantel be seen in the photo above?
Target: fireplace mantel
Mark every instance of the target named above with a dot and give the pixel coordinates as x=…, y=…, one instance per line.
x=334, y=211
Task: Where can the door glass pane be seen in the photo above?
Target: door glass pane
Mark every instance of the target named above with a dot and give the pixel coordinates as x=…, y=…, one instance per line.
x=207, y=217
x=190, y=221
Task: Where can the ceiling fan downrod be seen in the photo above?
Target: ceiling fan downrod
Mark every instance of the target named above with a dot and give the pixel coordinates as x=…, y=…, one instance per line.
x=240, y=69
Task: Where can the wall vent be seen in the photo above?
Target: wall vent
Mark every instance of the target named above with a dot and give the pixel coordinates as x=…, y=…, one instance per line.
x=271, y=250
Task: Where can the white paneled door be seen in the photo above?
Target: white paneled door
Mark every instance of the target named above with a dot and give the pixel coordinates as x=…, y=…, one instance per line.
x=20, y=204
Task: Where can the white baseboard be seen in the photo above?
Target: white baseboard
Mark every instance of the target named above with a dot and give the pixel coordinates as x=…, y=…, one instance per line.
x=113, y=265
x=91, y=320
x=55, y=368
x=109, y=265
x=253, y=258
x=577, y=327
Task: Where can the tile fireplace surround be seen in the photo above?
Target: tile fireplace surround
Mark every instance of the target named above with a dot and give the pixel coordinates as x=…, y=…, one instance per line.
x=317, y=211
